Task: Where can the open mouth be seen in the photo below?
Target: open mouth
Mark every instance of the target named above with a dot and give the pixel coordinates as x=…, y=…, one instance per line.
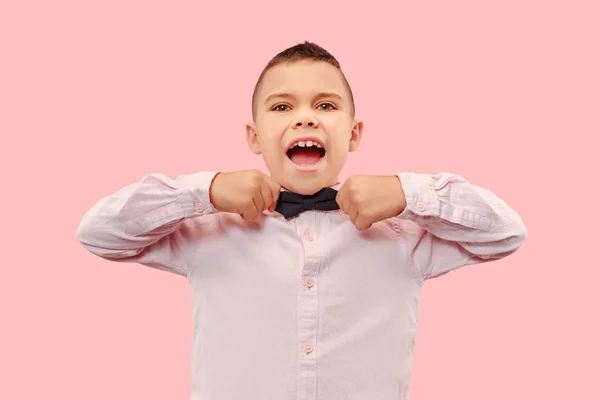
x=306, y=153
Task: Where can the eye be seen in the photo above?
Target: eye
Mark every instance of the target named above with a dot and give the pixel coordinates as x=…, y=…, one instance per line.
x=279, y=107
x=326, y=104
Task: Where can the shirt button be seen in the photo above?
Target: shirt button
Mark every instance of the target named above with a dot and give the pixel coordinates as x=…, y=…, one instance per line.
x=308, y=348
x=308, y=237
x=309, y=283
x=199, y=207
x=420, y=207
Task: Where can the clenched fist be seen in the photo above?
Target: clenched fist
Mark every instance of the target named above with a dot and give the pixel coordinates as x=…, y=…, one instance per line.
x=247, y=193
x=368, y=199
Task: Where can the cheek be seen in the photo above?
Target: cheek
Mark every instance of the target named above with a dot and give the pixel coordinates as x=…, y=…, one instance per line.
x=340, y=146
x=337, y=125
x=272, y=128
x=270, y=144
x=270, y=147
x=339, y=151
x=274, y=121
x=341, y=134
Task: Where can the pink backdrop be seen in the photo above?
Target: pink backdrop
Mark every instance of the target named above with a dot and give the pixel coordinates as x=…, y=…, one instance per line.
x=96, y=94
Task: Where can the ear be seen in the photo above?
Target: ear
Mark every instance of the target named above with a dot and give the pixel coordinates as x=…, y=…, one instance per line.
x=252, y=138
x=356, y=135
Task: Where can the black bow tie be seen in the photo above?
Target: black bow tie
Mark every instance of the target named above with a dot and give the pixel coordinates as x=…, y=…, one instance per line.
x=291, y=204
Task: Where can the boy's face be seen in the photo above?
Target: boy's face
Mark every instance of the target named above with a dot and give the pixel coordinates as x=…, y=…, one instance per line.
x=304, y=126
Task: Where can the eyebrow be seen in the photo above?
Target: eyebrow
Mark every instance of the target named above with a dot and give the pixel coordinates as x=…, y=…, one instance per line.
x=288, y=95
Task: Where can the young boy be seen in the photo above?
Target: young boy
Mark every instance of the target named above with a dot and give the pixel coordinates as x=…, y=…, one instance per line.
x=298, y=296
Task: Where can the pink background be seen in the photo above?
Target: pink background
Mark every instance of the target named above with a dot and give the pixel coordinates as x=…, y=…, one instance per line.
x=96, y=94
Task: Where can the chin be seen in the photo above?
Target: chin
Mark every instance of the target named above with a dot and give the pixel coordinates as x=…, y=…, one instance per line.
x=306, y=184
x=305, y=179
x=305, y=188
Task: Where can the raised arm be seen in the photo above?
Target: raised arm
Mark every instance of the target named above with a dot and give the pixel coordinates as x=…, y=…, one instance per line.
x=139, y=223
x=461, y=223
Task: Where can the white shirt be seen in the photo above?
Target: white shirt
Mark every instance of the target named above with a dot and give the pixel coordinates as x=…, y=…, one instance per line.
x=308, y=308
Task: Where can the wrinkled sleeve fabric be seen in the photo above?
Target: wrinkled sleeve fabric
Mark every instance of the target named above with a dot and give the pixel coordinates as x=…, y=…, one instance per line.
x=461, y=223
x=139, y=223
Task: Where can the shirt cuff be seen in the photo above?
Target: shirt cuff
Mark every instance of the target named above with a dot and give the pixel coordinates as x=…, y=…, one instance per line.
x=198, y=184
x=421, y=200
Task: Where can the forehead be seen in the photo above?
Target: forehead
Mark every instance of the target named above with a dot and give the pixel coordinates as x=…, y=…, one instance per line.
x=302, y=77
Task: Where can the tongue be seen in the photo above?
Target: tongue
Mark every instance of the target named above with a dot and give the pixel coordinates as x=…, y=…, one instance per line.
x=306, y=155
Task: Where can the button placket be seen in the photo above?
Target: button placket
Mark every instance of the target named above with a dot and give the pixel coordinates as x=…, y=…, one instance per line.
x=308, y=237
x=308, y=309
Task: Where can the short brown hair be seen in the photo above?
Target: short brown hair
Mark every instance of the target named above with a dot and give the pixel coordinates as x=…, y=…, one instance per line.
x=301, y=51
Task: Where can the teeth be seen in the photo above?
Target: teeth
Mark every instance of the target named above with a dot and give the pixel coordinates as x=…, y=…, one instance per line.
x=308, y=143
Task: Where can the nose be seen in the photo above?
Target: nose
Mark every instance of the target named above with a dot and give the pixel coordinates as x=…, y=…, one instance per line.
x=305, y=120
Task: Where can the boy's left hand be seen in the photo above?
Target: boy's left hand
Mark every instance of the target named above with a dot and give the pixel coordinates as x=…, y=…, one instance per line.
x=371, y=198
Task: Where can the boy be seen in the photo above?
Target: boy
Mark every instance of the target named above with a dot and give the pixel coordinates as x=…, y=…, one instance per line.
x=298, y=296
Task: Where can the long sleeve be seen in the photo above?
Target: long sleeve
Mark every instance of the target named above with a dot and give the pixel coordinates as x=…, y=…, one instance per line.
x=139, y=223
x=461, y=223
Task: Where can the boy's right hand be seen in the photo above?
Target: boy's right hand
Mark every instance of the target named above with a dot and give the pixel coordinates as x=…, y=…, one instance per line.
x=247, y=193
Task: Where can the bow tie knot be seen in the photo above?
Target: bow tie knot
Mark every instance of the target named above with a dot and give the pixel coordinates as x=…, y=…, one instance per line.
x=291, y=204
x=309, y=204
